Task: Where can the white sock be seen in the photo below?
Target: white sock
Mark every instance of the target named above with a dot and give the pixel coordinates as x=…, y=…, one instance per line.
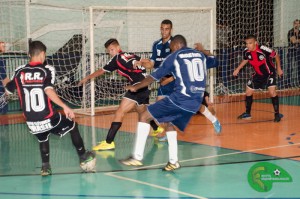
x=173, y=147
x=208, y=115
x=140, y=140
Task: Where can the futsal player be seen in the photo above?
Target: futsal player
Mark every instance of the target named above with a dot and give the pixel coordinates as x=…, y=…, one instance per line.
x=189, y=68
x=35, y=85
x=160, y=50
x=123, y=63
x=260, y=58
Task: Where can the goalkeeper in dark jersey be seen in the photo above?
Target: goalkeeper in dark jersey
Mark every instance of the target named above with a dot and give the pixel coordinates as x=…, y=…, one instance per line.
x=35, y=85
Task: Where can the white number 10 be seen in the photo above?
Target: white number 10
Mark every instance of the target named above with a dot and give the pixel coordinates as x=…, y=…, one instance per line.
x=34, y=99
x=195, y=69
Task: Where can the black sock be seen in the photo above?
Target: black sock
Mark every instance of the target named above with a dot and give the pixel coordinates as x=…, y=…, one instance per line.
x=153, y=125
x=249, y=100
x=77, y=141
x=275, y=102
x=44, y=150
x=113, y=131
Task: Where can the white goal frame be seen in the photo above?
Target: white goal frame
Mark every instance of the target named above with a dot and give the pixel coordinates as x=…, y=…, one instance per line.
x=109, y=8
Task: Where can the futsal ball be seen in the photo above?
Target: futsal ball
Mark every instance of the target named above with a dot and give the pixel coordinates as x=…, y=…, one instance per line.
x=89, y=166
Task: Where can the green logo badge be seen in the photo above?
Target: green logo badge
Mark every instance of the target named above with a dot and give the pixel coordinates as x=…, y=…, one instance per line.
x=262, y=175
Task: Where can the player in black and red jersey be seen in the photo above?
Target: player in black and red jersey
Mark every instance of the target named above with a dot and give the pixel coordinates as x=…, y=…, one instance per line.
x=260, y=58
x=35, y=85
x=122, y=62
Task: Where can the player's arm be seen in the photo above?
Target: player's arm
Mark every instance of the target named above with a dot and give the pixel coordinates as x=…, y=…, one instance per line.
x=93, y=75
x=241, y=65
x=144, y=83
x=54, y=98
x=146, y=63
x=5, y=81
x=199, y=47
x=278, y=65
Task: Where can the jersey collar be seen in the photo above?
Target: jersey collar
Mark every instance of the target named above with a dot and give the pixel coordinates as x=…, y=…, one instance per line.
x=35, y=63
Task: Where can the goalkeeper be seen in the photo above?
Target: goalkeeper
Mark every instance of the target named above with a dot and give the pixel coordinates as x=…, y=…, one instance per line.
x=122, y=62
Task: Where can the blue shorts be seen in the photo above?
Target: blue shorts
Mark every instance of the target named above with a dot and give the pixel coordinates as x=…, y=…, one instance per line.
x=166, y=90
x=165, y=111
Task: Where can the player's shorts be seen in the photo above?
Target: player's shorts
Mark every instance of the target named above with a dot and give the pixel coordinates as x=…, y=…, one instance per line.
x=58, y=125
x=166, y=90
x=140, y=97
x=262, y=82
x=164, y=111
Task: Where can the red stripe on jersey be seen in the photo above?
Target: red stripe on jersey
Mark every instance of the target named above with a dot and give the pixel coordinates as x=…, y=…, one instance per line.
x=129, y=70
x=50, y=109
x=20, y=96
x=124, y=75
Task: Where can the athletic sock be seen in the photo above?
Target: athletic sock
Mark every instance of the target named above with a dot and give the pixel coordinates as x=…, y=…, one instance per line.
x=249, y=100
x=275, y=102
x=153, y=125
x=208, y=115
x=115, y=126
x=77, y=141
x=45, y=151
x=173, y=147
x=140, y=140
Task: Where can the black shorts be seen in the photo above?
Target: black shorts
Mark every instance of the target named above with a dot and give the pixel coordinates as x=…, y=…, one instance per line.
x=57, y=124
x=262, y=82
x=140, y=97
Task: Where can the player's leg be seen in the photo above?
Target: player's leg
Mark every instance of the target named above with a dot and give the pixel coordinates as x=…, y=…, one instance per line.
x=213, y=119
x=157, y=129
x=143, y=128
x=275, y=102
x=248, y=103
x=45, y=153
x=108, y=144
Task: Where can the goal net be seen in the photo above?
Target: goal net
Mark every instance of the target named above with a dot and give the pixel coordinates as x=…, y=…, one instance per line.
x=136, y=29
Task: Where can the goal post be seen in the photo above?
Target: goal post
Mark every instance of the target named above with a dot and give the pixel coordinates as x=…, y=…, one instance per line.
x=136, y=28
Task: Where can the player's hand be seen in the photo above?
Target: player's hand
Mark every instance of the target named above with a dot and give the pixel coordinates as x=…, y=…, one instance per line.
x=136, y=64
x=236, y=72
x=199, y=46
x=130, y=88
x=280, y=73
x=69, y=112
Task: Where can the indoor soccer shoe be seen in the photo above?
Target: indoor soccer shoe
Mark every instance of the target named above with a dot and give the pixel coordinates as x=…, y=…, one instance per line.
x=131, y=162
x=217, y=127
x=157, y=131
x=46, y=170
x=102, y=146
x=171, y=167
x=245, y=116
x=163, y=139
x=87, y=157
x=278, y=117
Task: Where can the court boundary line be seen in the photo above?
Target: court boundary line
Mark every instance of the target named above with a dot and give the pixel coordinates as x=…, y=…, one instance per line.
x=113, y=174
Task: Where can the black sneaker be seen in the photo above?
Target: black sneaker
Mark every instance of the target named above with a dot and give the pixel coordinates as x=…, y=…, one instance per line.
x=86, y=157
x=245, y=116
x=278, y=117
x=46, y=169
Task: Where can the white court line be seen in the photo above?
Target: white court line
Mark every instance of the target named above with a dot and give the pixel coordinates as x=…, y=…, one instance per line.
x=222, y=155
x=154, y=185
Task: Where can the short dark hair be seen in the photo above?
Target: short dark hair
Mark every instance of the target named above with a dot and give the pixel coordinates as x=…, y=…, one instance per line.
x=167, y=22
x=179, y=39
x=296, y=20
x=36, y=47
x=111, y=41
x=251, y=37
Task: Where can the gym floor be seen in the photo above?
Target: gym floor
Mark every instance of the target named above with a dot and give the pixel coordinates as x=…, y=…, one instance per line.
x=213, y=166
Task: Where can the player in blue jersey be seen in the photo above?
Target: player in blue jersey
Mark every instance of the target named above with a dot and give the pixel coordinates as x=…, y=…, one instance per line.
x=123, y=63
x=189, y=67
x=160, y=50
x=35, y=85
